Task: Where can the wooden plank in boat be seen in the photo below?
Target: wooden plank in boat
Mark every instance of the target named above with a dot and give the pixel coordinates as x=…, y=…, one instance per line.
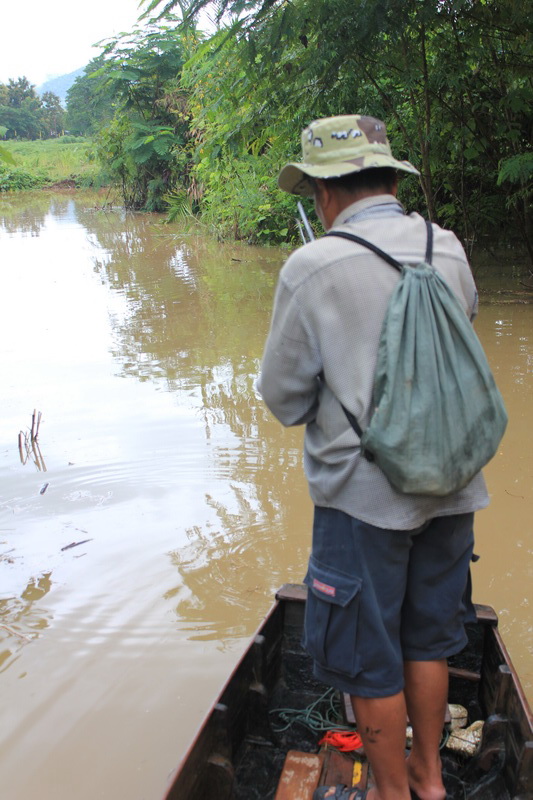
x=300, y=775
x=344, y=769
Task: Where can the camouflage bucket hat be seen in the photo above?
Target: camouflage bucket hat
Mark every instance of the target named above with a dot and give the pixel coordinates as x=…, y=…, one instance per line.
x=337, y=146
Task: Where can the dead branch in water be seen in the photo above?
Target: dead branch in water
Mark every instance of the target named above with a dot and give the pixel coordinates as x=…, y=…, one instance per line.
x=35, y=423
x=29, y=444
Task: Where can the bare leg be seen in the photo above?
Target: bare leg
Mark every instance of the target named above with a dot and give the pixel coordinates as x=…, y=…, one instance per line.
x=426, y=692
x=381, y=723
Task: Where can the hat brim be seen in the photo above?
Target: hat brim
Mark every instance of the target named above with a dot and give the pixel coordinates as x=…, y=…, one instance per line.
x=293, y=177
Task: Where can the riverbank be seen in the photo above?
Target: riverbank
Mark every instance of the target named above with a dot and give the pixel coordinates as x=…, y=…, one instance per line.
x=502, y=269
x=49, y=162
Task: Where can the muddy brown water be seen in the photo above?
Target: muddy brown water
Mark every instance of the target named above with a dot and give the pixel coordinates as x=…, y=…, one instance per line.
x=143, y=535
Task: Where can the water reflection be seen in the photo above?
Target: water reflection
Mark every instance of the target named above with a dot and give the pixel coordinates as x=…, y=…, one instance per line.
x=22, y=618
x=240, y=554
x=29, y=212
x=196, y=320
x=194, y=311
x=18, y=214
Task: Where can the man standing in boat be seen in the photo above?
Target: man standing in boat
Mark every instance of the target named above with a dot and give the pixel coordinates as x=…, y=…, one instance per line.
x=388, y=573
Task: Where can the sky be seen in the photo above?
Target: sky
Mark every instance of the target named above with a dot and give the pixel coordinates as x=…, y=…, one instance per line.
x=42, y=39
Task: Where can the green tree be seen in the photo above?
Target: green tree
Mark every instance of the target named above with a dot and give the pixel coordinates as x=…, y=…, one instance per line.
x=25, y=114
x=145, y=145
x=19, y=91
x=20, y=111
x=52, y=114
x=5, y=155
x=453, y=81
x=89, y=106
x=22, y=121
x=239, y=141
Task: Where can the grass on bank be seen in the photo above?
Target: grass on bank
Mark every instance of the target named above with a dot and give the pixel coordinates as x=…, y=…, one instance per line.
x=48, y=161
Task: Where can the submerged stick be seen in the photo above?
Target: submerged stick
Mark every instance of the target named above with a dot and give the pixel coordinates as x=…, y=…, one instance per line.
x=29, y=441
x=38, y=459
x=39, y=415
x=16, y=633
x=23, y=460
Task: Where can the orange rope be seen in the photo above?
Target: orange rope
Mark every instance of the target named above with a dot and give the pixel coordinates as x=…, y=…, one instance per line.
x=345, y=741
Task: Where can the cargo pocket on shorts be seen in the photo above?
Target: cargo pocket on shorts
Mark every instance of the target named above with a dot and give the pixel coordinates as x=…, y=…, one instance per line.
x=331, y=617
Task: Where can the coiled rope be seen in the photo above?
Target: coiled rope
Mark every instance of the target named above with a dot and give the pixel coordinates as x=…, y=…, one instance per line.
x=313, y=718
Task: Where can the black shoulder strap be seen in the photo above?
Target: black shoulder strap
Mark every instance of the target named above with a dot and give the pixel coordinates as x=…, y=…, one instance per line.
x=396, y=264
x=429, y=244
x=381, y=253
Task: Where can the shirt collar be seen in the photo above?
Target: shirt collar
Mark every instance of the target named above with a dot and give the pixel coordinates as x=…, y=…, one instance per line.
x=370, y=206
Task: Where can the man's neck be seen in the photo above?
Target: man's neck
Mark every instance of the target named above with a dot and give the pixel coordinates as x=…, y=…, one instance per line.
x=366, y=206
x=334, y=201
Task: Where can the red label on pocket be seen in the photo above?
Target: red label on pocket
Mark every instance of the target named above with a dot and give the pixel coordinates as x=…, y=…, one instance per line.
x=323, y=587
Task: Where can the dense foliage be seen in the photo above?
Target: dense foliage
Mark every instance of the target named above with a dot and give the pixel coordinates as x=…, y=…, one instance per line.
x=14, y=179
x=452, y=80
x=201, y=124
x=23, y=114
x=132, y=100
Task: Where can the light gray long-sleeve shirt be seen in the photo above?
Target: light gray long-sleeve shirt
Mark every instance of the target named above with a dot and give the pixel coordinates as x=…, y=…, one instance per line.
x=321, y=351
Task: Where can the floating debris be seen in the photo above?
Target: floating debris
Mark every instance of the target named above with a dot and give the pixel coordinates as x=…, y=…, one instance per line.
x=75, y=544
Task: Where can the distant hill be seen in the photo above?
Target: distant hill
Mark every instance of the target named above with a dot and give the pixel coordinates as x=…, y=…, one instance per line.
x=60, y=85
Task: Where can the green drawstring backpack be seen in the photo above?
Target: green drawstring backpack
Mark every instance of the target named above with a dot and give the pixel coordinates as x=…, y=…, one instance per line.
x=438, y=416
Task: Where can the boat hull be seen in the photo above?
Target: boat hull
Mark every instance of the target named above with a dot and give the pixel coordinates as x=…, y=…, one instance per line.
x=238, y=752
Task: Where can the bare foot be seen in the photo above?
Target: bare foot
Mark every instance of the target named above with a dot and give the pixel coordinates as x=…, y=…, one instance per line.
x=426, y=784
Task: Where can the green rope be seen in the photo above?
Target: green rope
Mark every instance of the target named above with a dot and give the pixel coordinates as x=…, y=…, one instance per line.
x=445, y=737
x=313, y=718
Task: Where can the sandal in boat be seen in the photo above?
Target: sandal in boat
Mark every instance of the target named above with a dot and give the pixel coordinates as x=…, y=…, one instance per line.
x=342, y=792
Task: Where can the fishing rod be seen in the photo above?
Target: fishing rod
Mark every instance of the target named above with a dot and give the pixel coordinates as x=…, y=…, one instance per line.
x=306, y=231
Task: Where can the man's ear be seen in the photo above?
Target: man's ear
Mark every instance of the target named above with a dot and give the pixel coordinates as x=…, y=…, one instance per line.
x=323, y=192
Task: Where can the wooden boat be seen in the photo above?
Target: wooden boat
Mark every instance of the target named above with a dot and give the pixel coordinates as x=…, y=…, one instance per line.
x=239, y=751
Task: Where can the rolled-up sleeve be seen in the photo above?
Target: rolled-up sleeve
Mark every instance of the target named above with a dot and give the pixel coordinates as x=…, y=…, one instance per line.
x=289, y=380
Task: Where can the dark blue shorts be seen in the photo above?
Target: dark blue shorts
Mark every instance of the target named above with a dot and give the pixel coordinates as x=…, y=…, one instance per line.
x=379, y=597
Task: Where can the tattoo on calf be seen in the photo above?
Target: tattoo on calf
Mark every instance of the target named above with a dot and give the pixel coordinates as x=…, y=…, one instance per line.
x=372, y=734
